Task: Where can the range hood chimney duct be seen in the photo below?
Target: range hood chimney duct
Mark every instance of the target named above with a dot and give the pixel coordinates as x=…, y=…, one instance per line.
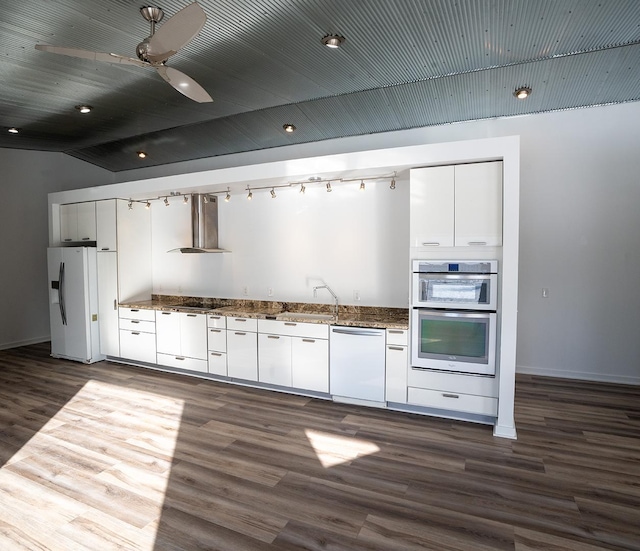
x=204, y=225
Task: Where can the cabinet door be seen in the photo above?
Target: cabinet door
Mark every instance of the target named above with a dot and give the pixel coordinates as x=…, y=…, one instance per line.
x=431, y=216
x=108, y=304
x=168, y=333
x=106, y=225
x=217, y=339
x=138, y=346
x=134, y=252
x=478, y=199
x=242, y=355
x=218, y=363
x=86, y=221
x=310, y=364
x=68, y=223
x=396, y=374
x=193, y=335
x=274, y=359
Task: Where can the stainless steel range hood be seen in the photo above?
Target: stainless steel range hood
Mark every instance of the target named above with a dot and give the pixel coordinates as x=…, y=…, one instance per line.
x=204, y=225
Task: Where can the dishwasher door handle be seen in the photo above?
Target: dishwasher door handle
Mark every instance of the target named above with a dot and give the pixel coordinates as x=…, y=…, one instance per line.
x=359, y=332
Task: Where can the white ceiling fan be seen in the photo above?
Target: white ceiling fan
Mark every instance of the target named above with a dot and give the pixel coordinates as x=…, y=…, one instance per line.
x=157, y=48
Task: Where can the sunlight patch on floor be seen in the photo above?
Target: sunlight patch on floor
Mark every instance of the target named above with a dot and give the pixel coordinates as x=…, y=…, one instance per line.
x=333, y=449
x=84, y=452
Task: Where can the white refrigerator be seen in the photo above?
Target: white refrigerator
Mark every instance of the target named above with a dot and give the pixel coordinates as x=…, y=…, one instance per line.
x=73, y=303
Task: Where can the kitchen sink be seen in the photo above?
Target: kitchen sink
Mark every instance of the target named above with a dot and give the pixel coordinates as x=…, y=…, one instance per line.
x=306, y=316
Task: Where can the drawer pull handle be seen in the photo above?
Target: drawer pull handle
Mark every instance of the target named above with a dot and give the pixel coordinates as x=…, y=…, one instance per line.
x=398, y=348
x=477, y=242
x=135, y=321
x=431, y=244
x=166, y=313
x=134, y=310
x=396, y=331
x=446, y=395
x=241, y=319
x=272, y=337
x=290, y=323
x=135, y=333
x=308, y=340
x=215, y=330
x=67, y=239
x=191, y=315
x=216, y=354
x=238, y=333
x=104, y=249
x=214, y=317
x=179, y=358
x=86, y=239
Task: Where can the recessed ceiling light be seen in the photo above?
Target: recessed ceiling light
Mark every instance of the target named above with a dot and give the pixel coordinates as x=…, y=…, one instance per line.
x=84, y=108
x=522, y=93
x=289, y=128
x=13, y=130
x=333, y=41
x=141, y=154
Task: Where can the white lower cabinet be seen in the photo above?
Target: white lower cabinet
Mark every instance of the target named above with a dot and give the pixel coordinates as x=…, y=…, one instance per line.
x=242, y=349
x=183, y=362
x=397, y=363
x=182, y=340
x=453, y=401
x=310, y=364
x=137, y=335
x=217, y=344
x=453, y=392
x=294, y=354
x=274, y=359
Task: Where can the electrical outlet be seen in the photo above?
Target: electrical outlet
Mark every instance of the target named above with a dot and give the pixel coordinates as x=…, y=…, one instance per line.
x=270, y=291
x=545, y=292
x=356, y=295
x=245, y=291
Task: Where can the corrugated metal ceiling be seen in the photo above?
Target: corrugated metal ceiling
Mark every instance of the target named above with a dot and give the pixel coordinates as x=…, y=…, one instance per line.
x=405, y=64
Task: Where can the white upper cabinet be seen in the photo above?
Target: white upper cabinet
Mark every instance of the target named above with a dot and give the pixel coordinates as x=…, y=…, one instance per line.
x=432, y=207
x=478, y=204
x=456, y=206
x=106, y=225
x=78, y=222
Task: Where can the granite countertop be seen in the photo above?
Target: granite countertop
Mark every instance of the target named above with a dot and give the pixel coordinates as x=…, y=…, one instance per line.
x=353, y=316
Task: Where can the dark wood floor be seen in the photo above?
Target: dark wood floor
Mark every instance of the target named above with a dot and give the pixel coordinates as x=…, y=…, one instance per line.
x=114, y=457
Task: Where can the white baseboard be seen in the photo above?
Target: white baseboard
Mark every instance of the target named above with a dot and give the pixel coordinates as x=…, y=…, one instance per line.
x=17, y=344
x=580, y=375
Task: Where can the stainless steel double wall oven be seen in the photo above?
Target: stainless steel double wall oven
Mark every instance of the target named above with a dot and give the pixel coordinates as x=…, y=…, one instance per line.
x=453, y=318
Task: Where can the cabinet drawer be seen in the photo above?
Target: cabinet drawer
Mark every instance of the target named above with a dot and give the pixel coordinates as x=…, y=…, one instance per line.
x=217, y=339
x=214, y=320
x=138, y=346
x=294, y=329
x=242, y=324
x=480, y=405
x=398, y=336
x=137, y=314
x=182, y=362
x=218, y=363
x=453, y=382
x=137, y=325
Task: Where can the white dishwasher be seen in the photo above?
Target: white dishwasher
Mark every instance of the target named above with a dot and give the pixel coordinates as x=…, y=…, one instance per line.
x=356, y=364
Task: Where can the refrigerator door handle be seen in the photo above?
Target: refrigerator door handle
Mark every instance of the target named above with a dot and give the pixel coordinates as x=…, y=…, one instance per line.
x=63, y=313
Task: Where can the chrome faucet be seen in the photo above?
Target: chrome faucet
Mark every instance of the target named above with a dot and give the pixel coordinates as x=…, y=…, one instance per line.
x=335, y=307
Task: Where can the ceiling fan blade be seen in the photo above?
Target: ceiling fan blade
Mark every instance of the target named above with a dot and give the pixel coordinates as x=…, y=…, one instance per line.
x=177, y=32
x=95, y=56
x=184, y=84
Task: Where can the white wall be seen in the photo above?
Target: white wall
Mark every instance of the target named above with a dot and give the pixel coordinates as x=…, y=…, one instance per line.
x=351, y=240
x=27, y=178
